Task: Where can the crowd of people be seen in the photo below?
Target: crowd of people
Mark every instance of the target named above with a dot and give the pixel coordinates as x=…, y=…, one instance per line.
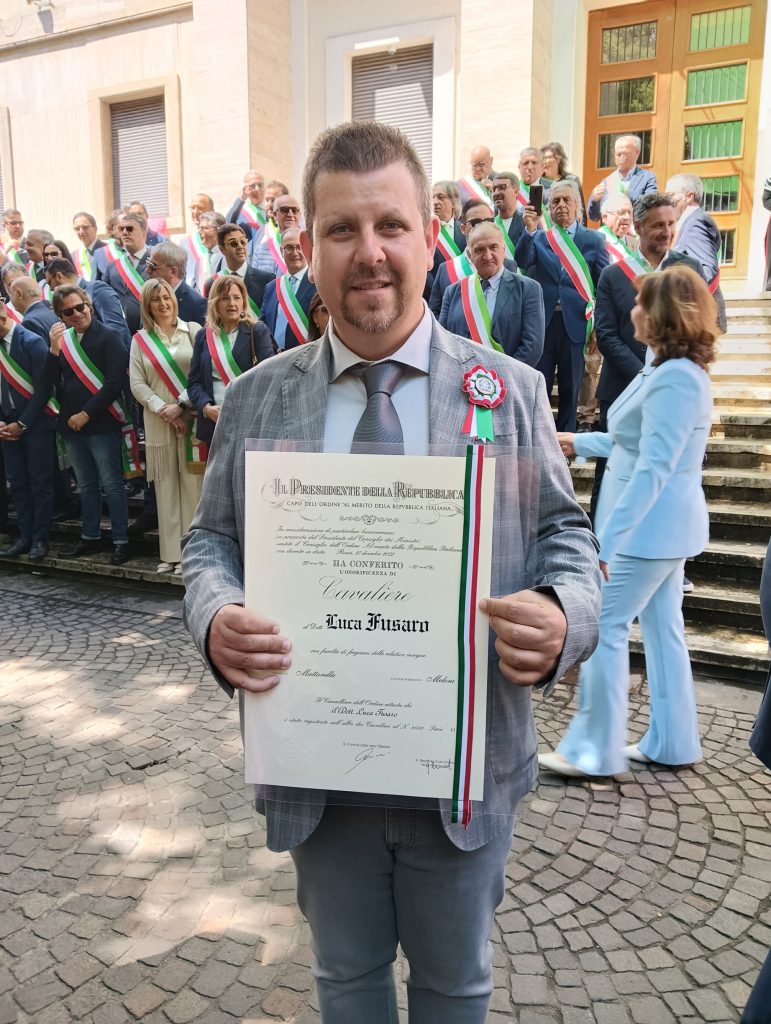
x=133, y=374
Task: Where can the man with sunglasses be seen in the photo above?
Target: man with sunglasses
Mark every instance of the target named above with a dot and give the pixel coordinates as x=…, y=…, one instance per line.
x=26, y=436
x=234, y=246
x=106, y=305
x=88, y=423
x=266, y=256
x=168, y=261
x=127, y=273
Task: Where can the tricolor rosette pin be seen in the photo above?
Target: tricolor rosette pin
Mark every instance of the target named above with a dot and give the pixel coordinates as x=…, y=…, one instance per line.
x=485, y=390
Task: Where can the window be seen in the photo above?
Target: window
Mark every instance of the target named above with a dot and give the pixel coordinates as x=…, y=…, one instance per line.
x=628, y=96
x=139, y=154
x=629, y=42
x=398, y=89
x=721, y=195
x=605, y=144
x=713, y=141
x=714, y=29
x=717, y=85
x=728, y=246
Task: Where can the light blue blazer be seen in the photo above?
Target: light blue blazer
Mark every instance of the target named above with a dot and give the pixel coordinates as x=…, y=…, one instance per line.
x=651, y=502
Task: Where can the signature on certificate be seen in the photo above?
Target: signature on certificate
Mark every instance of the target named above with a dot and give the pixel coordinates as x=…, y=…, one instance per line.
x=431, y=764
x=366, y=754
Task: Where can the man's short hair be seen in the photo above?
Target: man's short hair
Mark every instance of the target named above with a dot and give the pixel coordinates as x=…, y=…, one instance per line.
x=488, y=224
x=228, y=229
x=171, y=255
x=28, y=287
x=10, y=269
x=136, y=217
x=9, y=211
x=632, y=138
x=612, y=200
x=687, y=183
x=89, y=217
x=113, y=219
x=362, y=147
x=61, y=293
x=531, y=151
x=470, y=204
x=509, y=176
x=650, y=201
x=140, y=204
x=45, y=236
x=60, y=265
x=452, y=192
x=278, y=184
x=211, y=217
x=566, y=185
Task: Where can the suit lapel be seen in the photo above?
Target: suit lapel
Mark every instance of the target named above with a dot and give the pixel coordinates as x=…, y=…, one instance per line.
x=304, y=393
x=503, y=301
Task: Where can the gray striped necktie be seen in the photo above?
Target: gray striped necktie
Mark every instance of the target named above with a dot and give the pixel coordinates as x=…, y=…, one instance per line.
x=379, y=423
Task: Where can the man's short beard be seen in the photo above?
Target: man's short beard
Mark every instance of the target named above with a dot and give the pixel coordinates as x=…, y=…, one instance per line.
x=376, y=319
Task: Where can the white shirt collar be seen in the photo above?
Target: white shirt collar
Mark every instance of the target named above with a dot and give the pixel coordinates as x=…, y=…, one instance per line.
x=495, y=280
x=137, y=255
x=415, y=352
x=179, y=326
x=243, y=269
x=6, y=341
x=300, y=275
x=666, y=254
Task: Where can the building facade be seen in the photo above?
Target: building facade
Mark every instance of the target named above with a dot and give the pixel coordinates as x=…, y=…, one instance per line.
x=106, y=101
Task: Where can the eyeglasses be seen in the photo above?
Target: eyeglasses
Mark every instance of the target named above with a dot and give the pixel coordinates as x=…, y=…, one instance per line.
x=236, y=243
x=152, y=267
x=71, y=310
x=479, y=165
x=15, y=223
x=126, y=227
x=478, y=220
x=48, y=256
x=292, y=250
x=254, y=187
x=286, y=209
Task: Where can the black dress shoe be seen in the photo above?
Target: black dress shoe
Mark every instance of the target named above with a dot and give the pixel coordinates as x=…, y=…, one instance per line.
x=19, y=547
x=38, y=552
x=120, y=554
x=144, y=522
x=83, y=547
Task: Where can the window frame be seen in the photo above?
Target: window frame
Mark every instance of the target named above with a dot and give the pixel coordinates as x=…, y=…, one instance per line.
x=715, y=67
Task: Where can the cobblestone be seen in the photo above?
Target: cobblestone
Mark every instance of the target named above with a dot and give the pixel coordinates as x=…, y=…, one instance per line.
x=135, y=884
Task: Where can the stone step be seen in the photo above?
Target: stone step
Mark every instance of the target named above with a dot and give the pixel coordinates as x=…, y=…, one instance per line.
x=744, y=485
x=729, y=562
x=751, y=328
x=729, y=605
x=754, y=350
x=139, y=568
x=734, y=421
x=738, y=452
x=749, y=371
x=761, y=299
x=741, y=394
x=746, y=521
x=722, y=653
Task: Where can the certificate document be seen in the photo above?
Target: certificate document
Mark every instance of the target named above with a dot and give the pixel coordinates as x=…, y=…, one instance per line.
x=373, y=566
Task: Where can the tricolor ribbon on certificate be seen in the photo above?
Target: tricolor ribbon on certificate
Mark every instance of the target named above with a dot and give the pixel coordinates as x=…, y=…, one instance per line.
x=472, y=507
x=478, y=319
x=21, y=381
x=92, y=378
x=576, y=267
x=292, y=310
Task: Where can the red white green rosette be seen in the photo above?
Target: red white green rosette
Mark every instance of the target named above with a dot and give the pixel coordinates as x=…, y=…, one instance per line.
x=485, y=390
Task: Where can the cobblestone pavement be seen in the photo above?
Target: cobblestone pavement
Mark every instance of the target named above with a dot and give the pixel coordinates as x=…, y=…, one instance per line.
x=135, y=884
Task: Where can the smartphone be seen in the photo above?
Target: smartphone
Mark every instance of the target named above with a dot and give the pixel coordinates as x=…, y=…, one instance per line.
x=536, y=198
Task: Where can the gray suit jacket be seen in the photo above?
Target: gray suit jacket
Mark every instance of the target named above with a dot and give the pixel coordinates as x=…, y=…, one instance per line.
x=285, y=398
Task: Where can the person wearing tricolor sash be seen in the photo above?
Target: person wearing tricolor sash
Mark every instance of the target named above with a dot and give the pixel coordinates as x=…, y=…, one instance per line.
x=266, y=254
x=698, y=234
x=616, y=226
x=161, y=353
x=378, y=870
x=12, y=239
x=495, y=307
x=9, y=273
x=474, y=212
x=107, y=309
x=200, y=203
x=655, y=221
x=127, y=270
x=37, y=240
x=452, y=241
x=91, y=258
x=168, y=262
x=231, y=342
x=88, y=362
x=628, y=178
x=234, y=246
x=27, y=421
x=530, y=168
x=555, y=168
x=477, y=184
x=566, y=260
x=204, y=256
x=248, y=211
x=508, y=217
x=287, y=300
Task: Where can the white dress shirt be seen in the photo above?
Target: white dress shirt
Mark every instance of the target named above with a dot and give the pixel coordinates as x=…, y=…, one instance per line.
x=347, y=396
x=491, y=293
x=282, y=323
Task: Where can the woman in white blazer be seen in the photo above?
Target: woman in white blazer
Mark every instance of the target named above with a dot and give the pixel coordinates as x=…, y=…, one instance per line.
x=651, y=516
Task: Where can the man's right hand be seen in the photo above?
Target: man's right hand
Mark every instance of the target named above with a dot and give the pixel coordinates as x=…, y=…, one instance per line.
x=247, y=649
x=599, y=190
x=211, y=412
x=55, y=336
x=530, y=217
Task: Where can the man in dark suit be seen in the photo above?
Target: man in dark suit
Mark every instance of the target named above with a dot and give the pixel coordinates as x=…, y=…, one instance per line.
x=698, y=234
x=107, y=309
x=474, y=212
x=546, y=256
x=168, y=261
x=515, y=303
x=509, y=219
x=91, y=258
x=37, y=240
x=153, y=237
x=234, y=246
x=628, y=176
x=252, y=192
x=127, y=274
x=287, y=327
x=26, y=436
x=655, y=221
x=27, y=299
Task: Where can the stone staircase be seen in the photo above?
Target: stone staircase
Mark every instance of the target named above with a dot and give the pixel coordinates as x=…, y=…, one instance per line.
x=722, y=615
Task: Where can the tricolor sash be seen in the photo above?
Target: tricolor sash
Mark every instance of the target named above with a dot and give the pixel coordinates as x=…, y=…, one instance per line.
x=13, y=313
x=634, y=264
x=291, y=308
x=446, y=244
x=129, y=274
x=221, y=352
x=509, y=244
x=92, y=379
x=459, y=268
x=523, y=200
x=21, y=381
x=478, y=319
x=474, y=190
x=617, y=249
x=254, y=216
x=151, y=344
x=201, y=256
x=576, y=267
x=83, y=263
x=13, y=254
x=273, y=236
x=714, y=284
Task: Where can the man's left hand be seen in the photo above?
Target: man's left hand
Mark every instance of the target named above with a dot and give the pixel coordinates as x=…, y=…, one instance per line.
x=531, y=629
x=78, y=421
x=11, y=432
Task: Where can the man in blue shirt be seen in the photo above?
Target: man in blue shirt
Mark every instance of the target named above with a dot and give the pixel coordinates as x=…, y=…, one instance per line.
x=628, y=177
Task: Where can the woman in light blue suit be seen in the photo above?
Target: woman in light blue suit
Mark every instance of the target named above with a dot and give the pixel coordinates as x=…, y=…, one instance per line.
x=651, y=516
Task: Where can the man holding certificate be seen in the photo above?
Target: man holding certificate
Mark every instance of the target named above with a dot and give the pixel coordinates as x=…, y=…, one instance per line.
x=376, y=870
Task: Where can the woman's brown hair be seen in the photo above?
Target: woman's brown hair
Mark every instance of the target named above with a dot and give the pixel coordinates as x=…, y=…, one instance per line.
x=221, y=287
x=681, y=313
